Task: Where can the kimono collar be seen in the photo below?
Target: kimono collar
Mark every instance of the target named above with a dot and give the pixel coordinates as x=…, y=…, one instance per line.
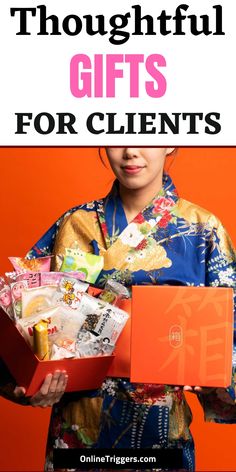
x=112, y=216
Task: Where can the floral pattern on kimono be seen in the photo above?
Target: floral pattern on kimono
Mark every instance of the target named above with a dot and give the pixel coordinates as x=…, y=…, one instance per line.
x=171, y=241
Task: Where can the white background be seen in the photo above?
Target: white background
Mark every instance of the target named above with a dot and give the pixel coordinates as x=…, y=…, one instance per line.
x=35, y=73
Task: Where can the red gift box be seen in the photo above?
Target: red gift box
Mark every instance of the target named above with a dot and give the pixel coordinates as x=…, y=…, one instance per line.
x=29, y=372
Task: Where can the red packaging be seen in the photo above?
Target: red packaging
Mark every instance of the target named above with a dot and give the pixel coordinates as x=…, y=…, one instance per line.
x=29, y=372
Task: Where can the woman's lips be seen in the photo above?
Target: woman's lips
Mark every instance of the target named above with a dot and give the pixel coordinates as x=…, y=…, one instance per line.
x=132, y=169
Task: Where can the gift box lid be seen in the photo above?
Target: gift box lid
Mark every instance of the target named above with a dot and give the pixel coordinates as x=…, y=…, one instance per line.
x=182, y=335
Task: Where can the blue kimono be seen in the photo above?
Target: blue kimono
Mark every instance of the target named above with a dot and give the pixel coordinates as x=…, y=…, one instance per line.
x=171, y=241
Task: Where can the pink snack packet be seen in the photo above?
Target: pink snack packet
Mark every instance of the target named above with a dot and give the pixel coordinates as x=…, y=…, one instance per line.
x=40, y=264
x=33, y=279
x=37, y=279
x=55, y=278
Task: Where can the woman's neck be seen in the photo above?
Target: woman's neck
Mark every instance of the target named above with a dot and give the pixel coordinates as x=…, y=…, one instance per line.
x=135, y=200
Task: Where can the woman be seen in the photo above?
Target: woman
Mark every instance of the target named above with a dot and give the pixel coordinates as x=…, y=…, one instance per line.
x=147, y=234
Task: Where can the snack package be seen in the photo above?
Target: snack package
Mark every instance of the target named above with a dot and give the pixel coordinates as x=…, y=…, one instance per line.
x=60, y=353
x=6, y=300
x=70, y=284
x=33, y=279
x=36, y=300
x=40, y=264
x=38, y=279
x=114, y=292
x=16, y=294
x=63, y=325
x=88, y=265
x=109, y=297
x=117, y=288
x=26, y=325
x=103, y=319
x=89, y=304
x=64, y=339
x=71, y=323
x=89, y=344
x=70, y=292
x=40, y=340
x=55, y=278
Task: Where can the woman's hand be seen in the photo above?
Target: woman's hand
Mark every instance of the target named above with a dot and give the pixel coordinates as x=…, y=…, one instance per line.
x=50, y=392
x=188, y=388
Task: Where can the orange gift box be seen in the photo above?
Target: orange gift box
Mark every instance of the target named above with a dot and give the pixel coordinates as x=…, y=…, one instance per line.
x=182, y=335
x=29, y=372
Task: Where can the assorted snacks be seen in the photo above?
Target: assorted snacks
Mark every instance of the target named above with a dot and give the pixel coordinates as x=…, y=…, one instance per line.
x=54, y=312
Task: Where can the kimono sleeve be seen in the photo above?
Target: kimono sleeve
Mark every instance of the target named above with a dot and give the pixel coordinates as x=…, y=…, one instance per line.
x=221, y=272
x=45, y=244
